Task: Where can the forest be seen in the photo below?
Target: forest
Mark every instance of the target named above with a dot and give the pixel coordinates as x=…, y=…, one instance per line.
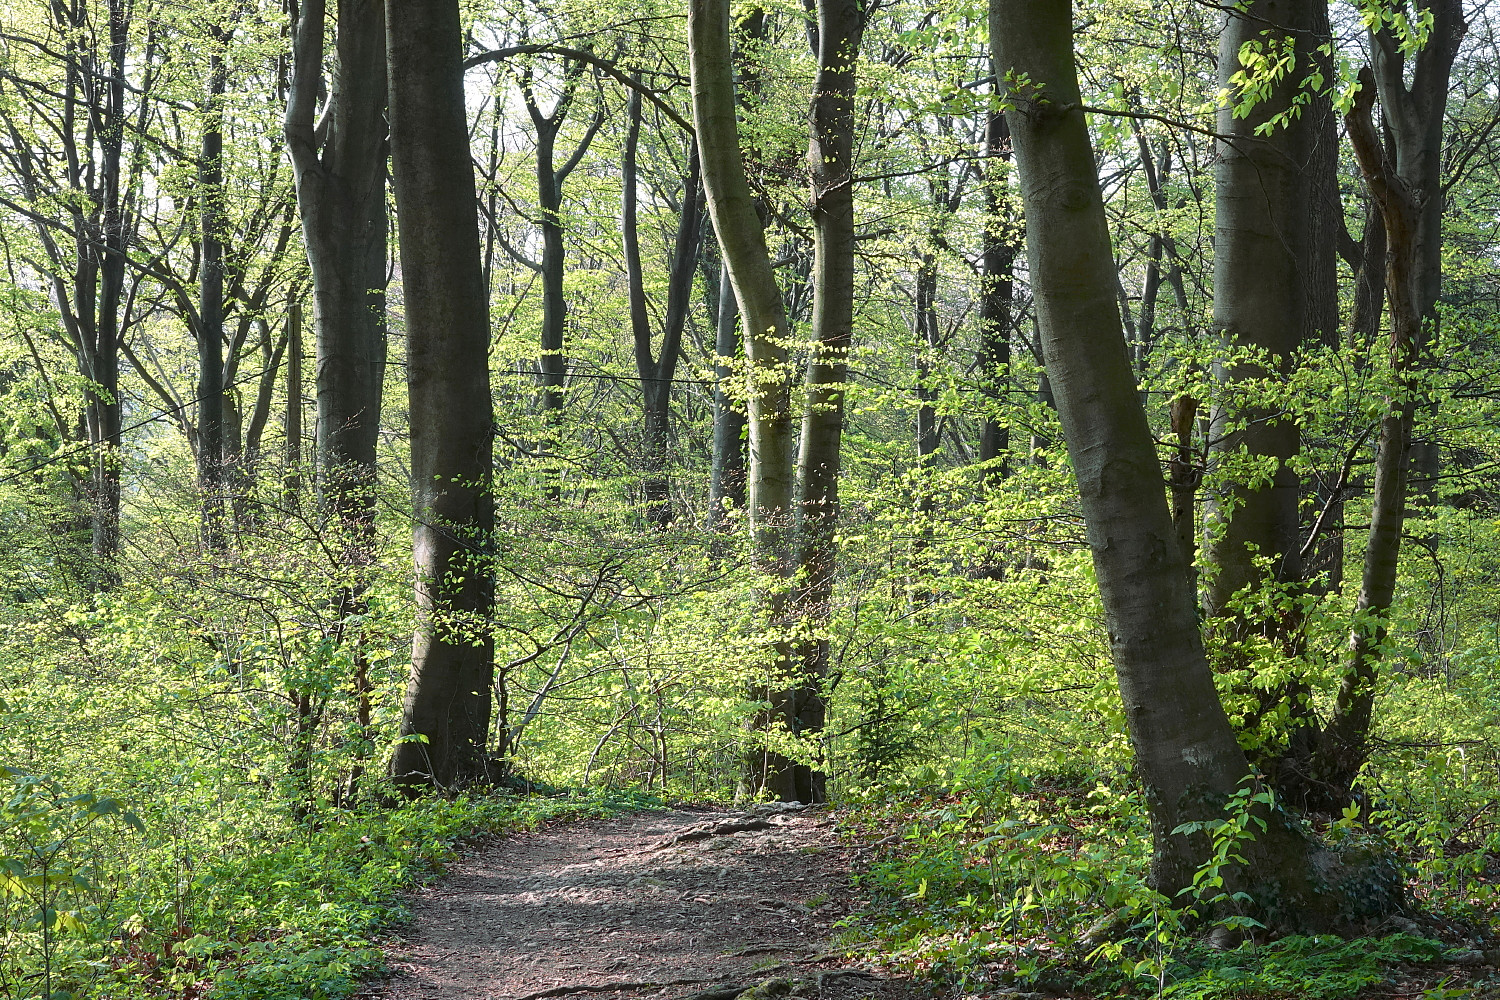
x=1058, y=438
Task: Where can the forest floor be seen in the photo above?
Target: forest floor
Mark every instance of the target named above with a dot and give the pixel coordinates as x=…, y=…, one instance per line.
x=690, y=902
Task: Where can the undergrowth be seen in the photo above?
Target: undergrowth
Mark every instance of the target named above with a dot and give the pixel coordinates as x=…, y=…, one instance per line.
x=1018, y=875
x=91, y=910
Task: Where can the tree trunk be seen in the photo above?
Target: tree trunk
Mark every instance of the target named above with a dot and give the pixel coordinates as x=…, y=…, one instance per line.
x=341, y=195
x=1186, y=754
x=292, y=477
x=552, y=366
x=656, y=371
x=997, y=293
x=830, y=162
x=726, y=487
x=446, y=715
x=1262, y=243
x=211, y=302
x=742, y=244
x=1342, y=750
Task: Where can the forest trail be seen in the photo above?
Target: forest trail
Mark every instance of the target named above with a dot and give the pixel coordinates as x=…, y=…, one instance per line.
x=685, y=903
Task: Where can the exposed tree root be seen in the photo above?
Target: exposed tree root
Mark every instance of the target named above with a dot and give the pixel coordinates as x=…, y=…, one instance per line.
x=703, y=831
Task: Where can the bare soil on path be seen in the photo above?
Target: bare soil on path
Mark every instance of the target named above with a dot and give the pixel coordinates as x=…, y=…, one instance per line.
x=676, y=904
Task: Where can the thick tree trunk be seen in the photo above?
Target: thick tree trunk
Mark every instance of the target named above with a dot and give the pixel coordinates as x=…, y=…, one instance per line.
x=341, y=195
x=1186, y=754
x=742, y=244
x=1262, y=245
x=446, y=714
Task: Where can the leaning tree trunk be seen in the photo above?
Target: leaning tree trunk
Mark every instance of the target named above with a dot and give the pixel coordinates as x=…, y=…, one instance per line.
x=742, y=244
x=446, y=714
x=1186, y=755
x=726, y=487
x=1343, y=749
x=1407, y=188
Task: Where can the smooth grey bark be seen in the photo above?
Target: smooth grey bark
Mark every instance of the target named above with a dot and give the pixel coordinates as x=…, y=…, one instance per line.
x=552, y=365
x=104, y=412
x=1185, y=750
x=1262, y=245
x=742, y=245
x=211, y=464
x=1415, y=118
x=445, y=717
x=1405, y=182
x=340, y=167
x=830, y=163
x=1323, y=563
x=340, y=173
x=1343, y=747
x=657, y=369
x=726, y=487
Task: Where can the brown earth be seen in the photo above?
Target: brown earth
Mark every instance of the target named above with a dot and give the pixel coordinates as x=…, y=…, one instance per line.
x=684, y=903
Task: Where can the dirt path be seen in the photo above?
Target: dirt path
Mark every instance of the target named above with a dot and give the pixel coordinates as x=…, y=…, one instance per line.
x=666, y=905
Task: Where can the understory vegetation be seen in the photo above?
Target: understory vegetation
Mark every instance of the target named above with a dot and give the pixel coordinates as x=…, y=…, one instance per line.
x=256, y=681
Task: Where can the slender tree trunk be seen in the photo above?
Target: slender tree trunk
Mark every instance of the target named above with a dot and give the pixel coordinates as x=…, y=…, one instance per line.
x=830, y=161
x=292, y=478
x=1343, y=749
x=1186, y=754
x=656, y=371
x=211, y=302
x=104, y=418
x=726, y=488
x=446, y=715
x=553, y=363
x=742, y=244
x=997, y=293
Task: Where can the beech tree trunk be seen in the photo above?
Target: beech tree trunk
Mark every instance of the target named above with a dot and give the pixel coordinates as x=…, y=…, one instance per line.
x=657, y=369
x=997, y=291
x=341, y=195
x=1262, y=245
x=726, y=488
x=552, y=365
x=446, y=714
x=830, y=162
x=1343, y=749
x=211, y=468
x=1407, y=189
x=1185, y=750
x=742, y=244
